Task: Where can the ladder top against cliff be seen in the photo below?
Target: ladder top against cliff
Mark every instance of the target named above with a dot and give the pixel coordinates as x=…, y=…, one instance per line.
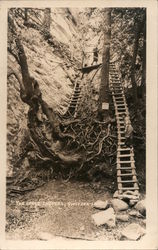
x=87, y=69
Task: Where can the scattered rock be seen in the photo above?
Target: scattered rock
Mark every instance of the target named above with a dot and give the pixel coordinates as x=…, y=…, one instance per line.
x=140, y=206
x=100, y=204
x=106, y=217
x=116, y=194
x=135, y=213
x=122, y=217
x=133, y=202
x=119, y=205
x=133, y=232
x=44, y=236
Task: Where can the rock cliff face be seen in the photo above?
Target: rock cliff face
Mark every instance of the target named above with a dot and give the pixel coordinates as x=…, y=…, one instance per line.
x=54, y=66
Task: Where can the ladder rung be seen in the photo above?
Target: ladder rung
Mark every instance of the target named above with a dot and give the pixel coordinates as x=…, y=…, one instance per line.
x=127, y=155
x=74, y=101
x=129, y=188
x=119, y=94
x=120, y=107
x=124, y=149
x=116, y=86
x=72, y=106
x=120, y=119
x=129, y=181
x=125, y=162
x=121, y=137
x=125, y=168
x=120, y=103
x=75, y=98
x=118, y=98
x=129, y=174
x=118, y=114
x=120, y=132
x=117, y=90
x=121, y=112
x=121, y=143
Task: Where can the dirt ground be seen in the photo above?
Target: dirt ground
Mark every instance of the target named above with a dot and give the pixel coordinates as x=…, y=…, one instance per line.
x=60, y=209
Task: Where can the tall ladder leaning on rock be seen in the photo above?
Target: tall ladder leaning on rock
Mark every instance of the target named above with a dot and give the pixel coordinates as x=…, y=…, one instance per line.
x=126, y=171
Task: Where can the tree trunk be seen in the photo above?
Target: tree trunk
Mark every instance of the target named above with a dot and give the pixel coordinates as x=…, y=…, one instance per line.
x=143, y=80
x=104, y=86
x=138, y=25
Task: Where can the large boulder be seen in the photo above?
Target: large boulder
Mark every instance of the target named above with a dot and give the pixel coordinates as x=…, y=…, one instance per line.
x=135, y=213
x=100, y=204
x=133, y=232
x=141, y=207
x=119, y=205
x=122, y=217
x=106, y=217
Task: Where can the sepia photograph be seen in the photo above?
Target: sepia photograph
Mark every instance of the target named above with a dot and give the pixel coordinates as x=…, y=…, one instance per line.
x=76, y=124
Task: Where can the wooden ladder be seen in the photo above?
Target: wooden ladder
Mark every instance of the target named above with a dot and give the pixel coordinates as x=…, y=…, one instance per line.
x=126, y=171
x=73, y=104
